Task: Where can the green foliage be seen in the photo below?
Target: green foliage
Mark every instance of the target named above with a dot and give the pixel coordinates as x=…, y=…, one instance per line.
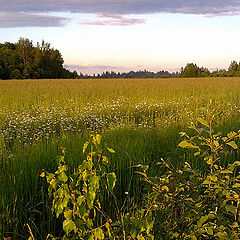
x=234, y=69
x=192, y=70
x=180, y=204
x=76, y=195
x=23, y=60
x=76, y=198
x=187, y=204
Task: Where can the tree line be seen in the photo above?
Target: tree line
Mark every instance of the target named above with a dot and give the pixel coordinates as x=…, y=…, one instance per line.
x=192, y=70
x=23, y=60
x=132, y=74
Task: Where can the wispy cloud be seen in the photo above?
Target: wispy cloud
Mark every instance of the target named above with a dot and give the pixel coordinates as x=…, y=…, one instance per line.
x=13, y=20
x=79, y=67
x=90, y=69
x=121, y=9
x=114, y=20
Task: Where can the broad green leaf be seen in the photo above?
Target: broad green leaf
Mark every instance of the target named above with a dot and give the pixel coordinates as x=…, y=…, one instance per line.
x=85, y=146
x=235, y=225
x=185, y=144
x=54, y=182
x=231, y=134
x=90, y=197
x=196, y=153
x=221, y=235
x=209, y=231
x=224, y=139
x=111, y=150
x=61, y=168
x=63, y=177
x=203, y=122
x=216, y=143
x=202, y=220
x=98, y=138
x=50, y=176
x=80, y=200
x=231, y=208
x=236, y=163
x=211, y=216
x=94, y=182
x=111, y=180
x=68, y=226
x=165, y=188
x=99, y=235
x=232, y=144
x=236, y=185
x=91, y=237
x=213, y=178
x=68, y=215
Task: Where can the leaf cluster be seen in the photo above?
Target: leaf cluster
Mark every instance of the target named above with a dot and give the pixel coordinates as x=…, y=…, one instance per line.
x=180, y=204
x=187, y=204
x=76, y=195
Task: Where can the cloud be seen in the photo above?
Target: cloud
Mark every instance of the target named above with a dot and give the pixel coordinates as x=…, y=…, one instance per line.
x=90, y=69
x=114, y=20
x=123, y=6
x=14, y=13
x=13, y=20
x=79, y=67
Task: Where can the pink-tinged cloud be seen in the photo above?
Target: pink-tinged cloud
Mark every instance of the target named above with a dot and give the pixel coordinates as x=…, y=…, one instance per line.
x=91, y=69
x=114, y=20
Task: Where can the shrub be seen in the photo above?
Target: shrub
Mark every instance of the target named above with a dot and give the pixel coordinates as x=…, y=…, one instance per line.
x=189, y=204
x=180, y=204
x=76, y=195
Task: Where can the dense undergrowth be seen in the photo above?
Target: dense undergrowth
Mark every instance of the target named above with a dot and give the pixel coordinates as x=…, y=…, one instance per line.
x=181, y=203
x=174, y=202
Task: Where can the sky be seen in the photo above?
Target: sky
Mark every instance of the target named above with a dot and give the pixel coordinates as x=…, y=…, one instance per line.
x=122, y=35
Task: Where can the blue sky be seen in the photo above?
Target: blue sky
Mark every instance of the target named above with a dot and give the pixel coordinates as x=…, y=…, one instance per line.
x=99, y=35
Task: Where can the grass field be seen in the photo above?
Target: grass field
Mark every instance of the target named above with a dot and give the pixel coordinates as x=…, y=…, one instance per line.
x=139, y=118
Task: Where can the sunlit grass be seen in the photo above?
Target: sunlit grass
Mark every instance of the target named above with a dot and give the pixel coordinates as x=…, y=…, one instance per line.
x=139, y=118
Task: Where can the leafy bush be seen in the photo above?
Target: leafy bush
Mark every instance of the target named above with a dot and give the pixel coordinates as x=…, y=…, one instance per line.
x=188, y=204
x=180, y=204
x=75, y=195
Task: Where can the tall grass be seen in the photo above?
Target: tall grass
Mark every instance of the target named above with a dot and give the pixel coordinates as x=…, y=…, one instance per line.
x=139, y=118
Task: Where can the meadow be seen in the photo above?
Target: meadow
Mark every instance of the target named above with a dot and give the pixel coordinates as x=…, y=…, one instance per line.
x=139, y=118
